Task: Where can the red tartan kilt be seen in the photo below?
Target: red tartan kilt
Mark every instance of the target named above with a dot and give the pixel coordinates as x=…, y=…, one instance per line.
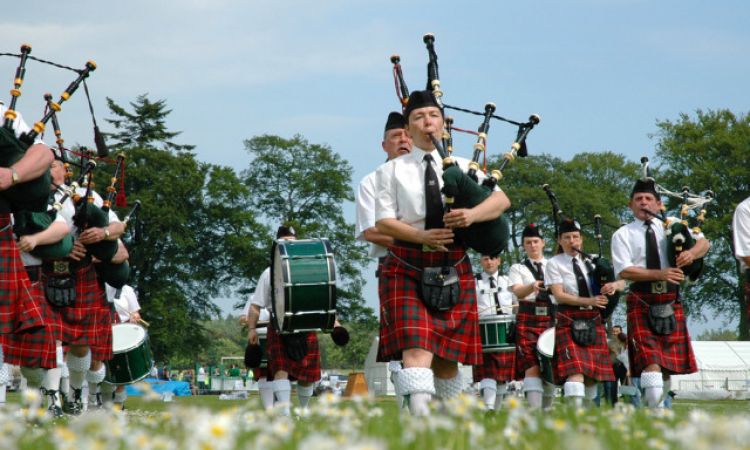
x=673, y=353
x=570, y=358
x=19, y=311
x=499, y=366
x=306, y=370
x=406, y=323
x=747, y=292
x=528, y=329
x=36, y=348
x=88, y=321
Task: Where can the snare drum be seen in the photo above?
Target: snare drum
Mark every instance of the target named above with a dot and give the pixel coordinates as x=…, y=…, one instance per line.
x=493, y=330
x=262, y=339
x=303, y=274
x=132, y=359
x=545, y=349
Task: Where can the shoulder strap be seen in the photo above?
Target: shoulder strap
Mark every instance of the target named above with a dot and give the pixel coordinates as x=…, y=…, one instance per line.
x=532, y=269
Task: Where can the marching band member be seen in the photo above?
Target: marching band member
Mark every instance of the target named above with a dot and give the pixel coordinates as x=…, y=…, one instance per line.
x=741, y=228
x=536, y=313
x=581, y=352
x=396, y=142
x=298, y=360
x=409, y=208
x=494, y=297
x=639, y=254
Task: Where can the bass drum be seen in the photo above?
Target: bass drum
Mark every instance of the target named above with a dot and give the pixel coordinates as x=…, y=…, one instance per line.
x=132, y=360
x=545, y=349
x=303, y=274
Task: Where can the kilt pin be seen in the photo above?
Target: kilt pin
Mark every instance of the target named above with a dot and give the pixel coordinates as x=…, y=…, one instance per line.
x=673, y=352
x=306, y=370
x=570, y=358
x=405, y=322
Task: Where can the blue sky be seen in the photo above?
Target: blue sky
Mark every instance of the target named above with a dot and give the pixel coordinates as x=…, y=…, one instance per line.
x=599, y=73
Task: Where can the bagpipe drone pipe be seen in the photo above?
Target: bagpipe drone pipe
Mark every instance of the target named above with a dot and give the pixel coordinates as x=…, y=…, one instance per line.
x=681, y=236
x=462, y=189
x=601, y=269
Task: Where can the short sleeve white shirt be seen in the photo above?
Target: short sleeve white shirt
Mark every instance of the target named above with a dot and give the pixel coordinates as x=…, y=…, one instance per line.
x=560, y=271
x=486, y=294
x=519, y=274
x=741, y=228
x=262, y=295
x=366, y=212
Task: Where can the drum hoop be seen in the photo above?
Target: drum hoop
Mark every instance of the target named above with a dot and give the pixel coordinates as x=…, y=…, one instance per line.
x=139, y=344
x=541, y=351
x=496, y=318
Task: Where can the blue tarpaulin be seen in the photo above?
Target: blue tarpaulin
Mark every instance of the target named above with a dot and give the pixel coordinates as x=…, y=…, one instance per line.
x=178, y=388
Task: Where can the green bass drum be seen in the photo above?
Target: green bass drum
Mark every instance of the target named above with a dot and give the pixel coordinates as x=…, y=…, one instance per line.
x=132, y=360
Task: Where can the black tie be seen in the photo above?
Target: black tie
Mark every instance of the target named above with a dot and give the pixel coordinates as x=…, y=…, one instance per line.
x=493, y=287
x=583, y=285
x=434, y=203
x=539, y=271
x=652, y=248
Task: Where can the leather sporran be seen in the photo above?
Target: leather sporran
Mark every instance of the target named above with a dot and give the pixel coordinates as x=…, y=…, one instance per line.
x=583, y=332
x=60, y=291
x=661, y=319
x=440, y=287
x=295, y=345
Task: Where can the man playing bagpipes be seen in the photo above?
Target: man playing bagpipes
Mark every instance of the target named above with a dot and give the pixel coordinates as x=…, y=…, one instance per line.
x=741, y=228
x=428, y=312
x=535, y=315
x=494, y=297
x=19, y=309
x=396, y=142
x=657, y=330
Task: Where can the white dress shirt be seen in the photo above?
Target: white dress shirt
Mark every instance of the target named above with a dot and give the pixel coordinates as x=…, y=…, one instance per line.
x=366, y=212
x=486, y=294
x=560, y=271
x=262, y=295
x=519, y=274
x=741, y=227
x=264, y=315
x=400, y=186
x=126, y=303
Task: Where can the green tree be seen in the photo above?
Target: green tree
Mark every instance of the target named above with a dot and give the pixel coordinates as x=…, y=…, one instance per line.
x=194, y=240
x=711, y=151
x=718, y=335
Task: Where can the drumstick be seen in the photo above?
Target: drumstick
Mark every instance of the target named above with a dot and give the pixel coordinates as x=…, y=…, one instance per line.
x=144, y=323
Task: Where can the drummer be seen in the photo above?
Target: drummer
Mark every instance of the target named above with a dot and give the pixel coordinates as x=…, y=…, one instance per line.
x=290, y=356
x=581, y=353
x=494, y=297
x=409, y=208
x=260, y=374
x=536, y=313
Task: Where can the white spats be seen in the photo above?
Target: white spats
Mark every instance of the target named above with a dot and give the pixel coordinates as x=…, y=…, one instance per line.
x=488, y=389
x=653, y=385
x=78, y=366
x=51, y=380
x=450, y=387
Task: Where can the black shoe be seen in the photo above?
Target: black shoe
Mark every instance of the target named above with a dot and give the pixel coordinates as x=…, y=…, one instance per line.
x=74, y=407
x=53, y=409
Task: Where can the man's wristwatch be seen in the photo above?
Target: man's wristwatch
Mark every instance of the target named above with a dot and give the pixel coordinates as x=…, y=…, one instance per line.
x=14, y=176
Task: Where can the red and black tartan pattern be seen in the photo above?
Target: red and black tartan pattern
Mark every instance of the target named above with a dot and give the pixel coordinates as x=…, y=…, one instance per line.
x=570, y=358
x=673, y=353
x=307, y=369
x=528, y=329
x=499, y=366
x=19, y=312
x=747, y=292
x=36, y=348
x=406, y=323
x=88, y=321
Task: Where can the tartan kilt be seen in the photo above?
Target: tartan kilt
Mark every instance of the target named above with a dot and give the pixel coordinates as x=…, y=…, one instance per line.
x=305, y=370
x=499, y=366
x=35, y=348
x=528, y=329
x=88, y=321
x=19, y=311
x=747, y=292
x=592, y=361
x=673, y=353
x=405, y=322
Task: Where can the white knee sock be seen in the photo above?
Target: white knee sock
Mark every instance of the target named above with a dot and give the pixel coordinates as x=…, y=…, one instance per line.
x=665, y=391
x=590, y=393
x=3, y=390
x=574, y=392
x=395, y=367
x=282, y=391
x=107, y=391
x=34, y=377
x=303, y=394
x=653, y=386
x=4, y=377
x=488, y=388
x=419, y=384
x=502, y=391
x=446, y=388
x=532, y=387
x=94, y=378
x=64, y=379
x=78, y=367
x=265, y=390
x=120, y=397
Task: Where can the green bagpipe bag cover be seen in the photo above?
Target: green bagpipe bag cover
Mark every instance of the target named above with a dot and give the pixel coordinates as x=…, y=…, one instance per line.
x=116, y=275
x=26, y=222
x=103, y=250
x=29, y=196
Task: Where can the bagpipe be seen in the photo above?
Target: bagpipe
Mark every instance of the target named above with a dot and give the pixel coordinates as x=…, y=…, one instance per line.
x=681, y=236
x=600, y=268
x=462, y=189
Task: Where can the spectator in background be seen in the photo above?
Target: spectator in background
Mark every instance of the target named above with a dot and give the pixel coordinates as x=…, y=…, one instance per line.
x=201, y=378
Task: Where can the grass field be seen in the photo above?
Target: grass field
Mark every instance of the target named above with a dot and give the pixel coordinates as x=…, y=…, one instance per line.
x=208, y=423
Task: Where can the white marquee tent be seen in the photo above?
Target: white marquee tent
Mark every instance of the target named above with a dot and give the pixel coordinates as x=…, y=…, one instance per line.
x=723, y=372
